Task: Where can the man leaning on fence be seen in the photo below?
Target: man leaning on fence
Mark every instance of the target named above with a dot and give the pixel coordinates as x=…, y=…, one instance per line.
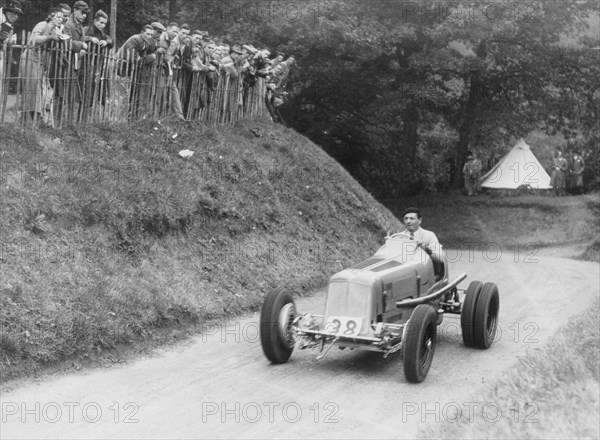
x=168, y=93
x=71, y=88
x=8, y=16
x=96, y=84
x=132, y=57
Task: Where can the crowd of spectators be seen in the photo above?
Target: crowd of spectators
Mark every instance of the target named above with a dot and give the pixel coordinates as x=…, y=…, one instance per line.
x=167, y=66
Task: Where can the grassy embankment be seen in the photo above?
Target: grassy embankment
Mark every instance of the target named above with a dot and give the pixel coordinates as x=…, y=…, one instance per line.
x=109, y=236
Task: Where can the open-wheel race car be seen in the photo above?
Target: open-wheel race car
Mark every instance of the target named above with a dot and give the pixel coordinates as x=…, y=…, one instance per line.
x=390, y=302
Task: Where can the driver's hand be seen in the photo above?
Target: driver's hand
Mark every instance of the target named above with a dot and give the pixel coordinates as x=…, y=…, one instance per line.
x=425, y=248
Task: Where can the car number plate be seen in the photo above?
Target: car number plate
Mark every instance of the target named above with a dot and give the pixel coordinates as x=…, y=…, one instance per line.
x=343, y=325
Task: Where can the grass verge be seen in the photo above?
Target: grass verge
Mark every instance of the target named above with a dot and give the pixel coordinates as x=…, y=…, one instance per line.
x=533, y=393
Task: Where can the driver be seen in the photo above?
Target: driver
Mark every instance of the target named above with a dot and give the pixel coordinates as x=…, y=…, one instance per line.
x=427, y=240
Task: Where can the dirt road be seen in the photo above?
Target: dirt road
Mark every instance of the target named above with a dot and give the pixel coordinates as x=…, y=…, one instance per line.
x=220, y=385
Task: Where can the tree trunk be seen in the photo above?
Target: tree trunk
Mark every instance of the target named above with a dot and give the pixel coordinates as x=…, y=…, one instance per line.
x=467, y=129
x=410, y=133
x=113, y=23
x=173, y=10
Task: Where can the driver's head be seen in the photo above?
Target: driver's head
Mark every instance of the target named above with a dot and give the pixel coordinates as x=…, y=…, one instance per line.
x=411, y=217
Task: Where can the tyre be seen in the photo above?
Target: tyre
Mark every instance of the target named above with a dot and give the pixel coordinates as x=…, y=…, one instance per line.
x=419, y=346
x=467, y=316
x=276, y=336
x=486, y=316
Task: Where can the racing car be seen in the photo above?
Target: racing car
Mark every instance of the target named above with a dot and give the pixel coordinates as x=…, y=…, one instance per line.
x=393, y=301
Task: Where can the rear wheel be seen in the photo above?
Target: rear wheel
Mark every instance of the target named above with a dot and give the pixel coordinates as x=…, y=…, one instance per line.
x=276, y=335
x=467, y=316
x=486, y=316
x=419, y=346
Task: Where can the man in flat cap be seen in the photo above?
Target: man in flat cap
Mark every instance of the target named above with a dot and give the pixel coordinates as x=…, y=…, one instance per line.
x=159, y=29
x=233, y=62
x=74, y=26
x=9, y=14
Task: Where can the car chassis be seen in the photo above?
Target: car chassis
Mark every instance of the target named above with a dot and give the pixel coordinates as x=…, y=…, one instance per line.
x=394, y=317
x=387, y=337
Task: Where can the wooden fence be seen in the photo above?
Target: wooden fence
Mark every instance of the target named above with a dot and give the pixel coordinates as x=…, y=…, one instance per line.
x=55, y=86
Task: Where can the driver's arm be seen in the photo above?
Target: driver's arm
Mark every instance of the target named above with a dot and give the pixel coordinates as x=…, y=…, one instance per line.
x=432, y=246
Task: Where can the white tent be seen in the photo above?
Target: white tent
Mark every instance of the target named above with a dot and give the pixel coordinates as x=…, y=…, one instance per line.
x=518, y=168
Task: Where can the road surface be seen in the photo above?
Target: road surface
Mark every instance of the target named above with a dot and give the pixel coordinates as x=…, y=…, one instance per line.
x=219, y=384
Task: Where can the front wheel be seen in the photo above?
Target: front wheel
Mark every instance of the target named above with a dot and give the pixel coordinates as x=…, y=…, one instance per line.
x=276, y=335
x=419, y=345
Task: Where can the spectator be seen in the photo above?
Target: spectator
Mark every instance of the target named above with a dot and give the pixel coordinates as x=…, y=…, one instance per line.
x=209, y=69
x=173, y=55
x=282, y=71
x=37, y=93
x=275, y=91
x=66, y=10
x=159, y=29
x=137, y=49
x=74, y=28
x=96, y=33
x=232, y=63
x=558, y=177
x=168, y=91
x=492, y=161
x=132, y=56
x=99, y=40
x=249, y=71
x=75, y=75
x=451, y=170
x=59, y=64
x=190, y=65
x=185, y=30
x=278, y=59
x=577, y=167
x=472, y=174
x=261, y=63
x=9, y=14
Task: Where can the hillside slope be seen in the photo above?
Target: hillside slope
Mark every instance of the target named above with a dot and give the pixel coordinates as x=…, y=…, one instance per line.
x=109, y=234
